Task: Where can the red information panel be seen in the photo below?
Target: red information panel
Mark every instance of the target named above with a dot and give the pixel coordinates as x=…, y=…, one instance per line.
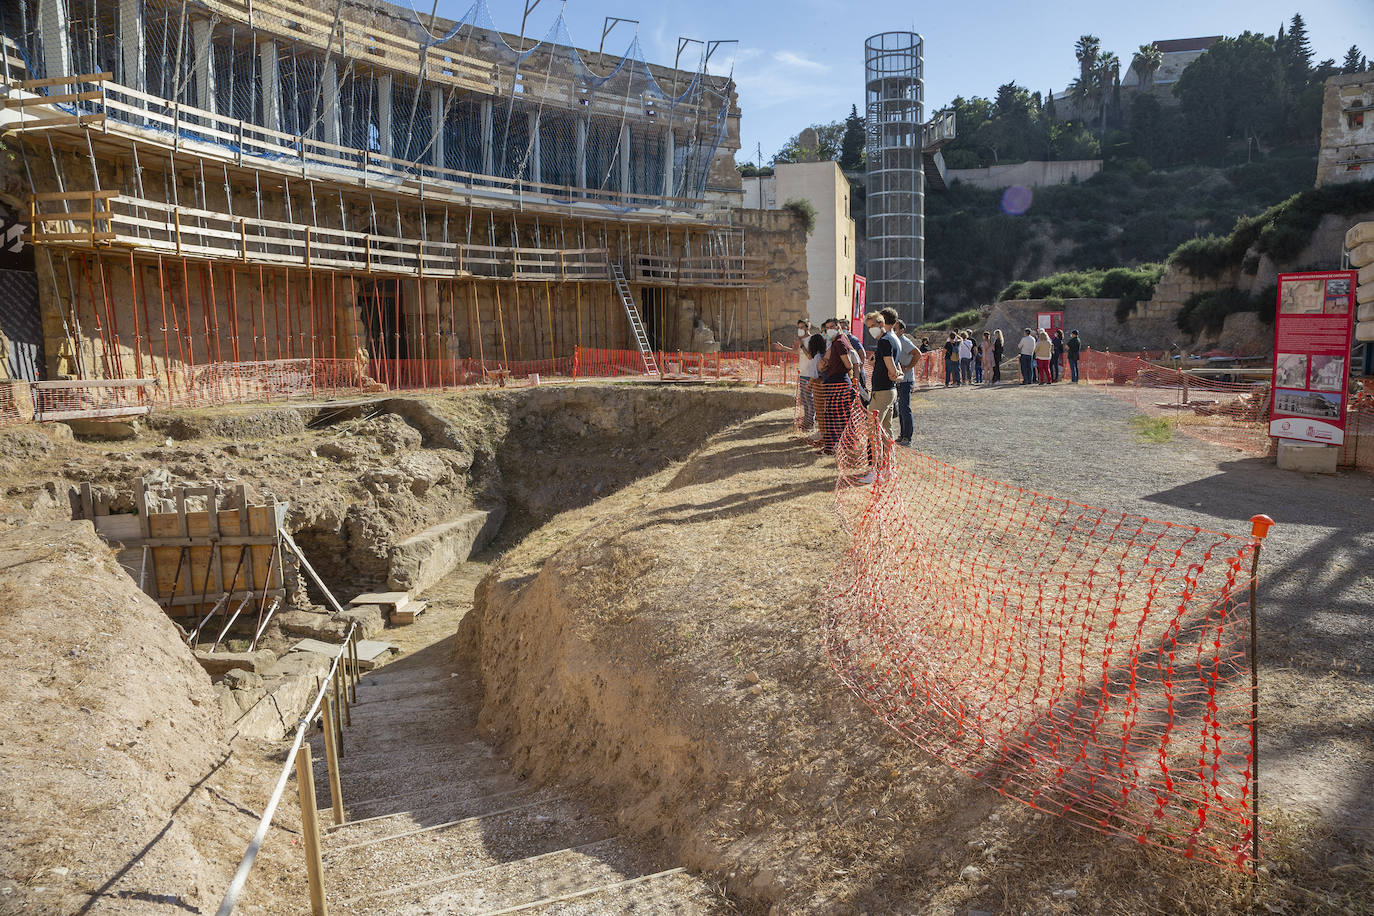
x=1049, y=321
x=1312, y=335
x=860, y=292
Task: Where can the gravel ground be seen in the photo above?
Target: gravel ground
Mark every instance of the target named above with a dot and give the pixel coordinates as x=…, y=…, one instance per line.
x=1316, y=632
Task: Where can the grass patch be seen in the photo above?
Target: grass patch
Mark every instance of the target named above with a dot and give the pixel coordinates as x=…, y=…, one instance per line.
x=1156, y=430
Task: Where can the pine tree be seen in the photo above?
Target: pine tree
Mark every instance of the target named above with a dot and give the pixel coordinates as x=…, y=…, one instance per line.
x=1354, y=61
x=1296, y=51
x=852, y=146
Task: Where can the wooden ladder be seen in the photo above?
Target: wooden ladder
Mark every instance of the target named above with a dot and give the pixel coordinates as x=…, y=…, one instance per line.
x=641, y=337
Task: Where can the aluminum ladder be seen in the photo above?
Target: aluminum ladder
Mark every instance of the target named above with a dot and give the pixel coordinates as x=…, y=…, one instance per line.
x=641, y=337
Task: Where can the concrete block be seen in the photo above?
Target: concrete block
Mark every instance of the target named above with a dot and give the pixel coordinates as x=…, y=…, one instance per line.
x=1365, y=312
x=1358, y=234
x=104, y=430
x=288, y=687
x=1362, y=255
x=1364, y=293
x=312, y=625
x=370, y=618
x=1307, y=458
x=217, y=663
x=1364, y=330
x=1366, y=274
x=425, y=558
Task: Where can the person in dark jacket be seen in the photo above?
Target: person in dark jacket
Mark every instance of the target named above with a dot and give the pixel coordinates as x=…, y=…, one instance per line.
x=1057, y=355
x=1074, y=348
x=998, y=346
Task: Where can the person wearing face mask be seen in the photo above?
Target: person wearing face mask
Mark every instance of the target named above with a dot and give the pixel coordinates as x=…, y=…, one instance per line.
x=835, y=391
x=859, y=354
x=886, y=374
x=804, y=332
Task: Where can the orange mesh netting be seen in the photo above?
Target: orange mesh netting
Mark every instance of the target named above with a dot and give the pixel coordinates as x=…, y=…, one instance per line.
x=1089, y=663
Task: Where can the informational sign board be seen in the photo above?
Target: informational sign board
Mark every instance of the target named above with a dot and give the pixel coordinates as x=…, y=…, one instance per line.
x=1312, y=335
x=860, y=295
x=1049, y=321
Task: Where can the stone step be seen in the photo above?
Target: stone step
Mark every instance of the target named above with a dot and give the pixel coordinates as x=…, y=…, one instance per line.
x=374, y=732
x=429, y=796
x=399, y=779
x=409, y=821
x=582, y=873
x=676, y=893
x=444, y=848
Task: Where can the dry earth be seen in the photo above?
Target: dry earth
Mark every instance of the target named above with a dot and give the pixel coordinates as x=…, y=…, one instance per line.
x=662, y=648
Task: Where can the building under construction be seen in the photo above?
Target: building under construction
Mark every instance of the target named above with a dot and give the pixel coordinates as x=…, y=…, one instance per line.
x=219, y=185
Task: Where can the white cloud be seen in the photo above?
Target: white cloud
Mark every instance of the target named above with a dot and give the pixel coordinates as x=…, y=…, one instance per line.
x=793, y=59
x=771, y=78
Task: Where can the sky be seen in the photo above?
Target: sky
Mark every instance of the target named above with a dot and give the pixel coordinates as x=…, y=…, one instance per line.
x=800, y=62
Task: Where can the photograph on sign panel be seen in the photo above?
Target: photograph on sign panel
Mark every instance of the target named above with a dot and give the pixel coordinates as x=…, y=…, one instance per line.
x=1307, y=404
x=1290, y=370
x=1338, y=287
x=1301, y=297
x=1328, y=373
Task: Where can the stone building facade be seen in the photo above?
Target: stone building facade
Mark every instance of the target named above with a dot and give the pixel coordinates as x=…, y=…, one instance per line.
x=1347, y=144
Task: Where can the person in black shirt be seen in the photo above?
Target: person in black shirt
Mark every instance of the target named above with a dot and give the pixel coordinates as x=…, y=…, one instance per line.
x=1057, y=355
x=1074, y=347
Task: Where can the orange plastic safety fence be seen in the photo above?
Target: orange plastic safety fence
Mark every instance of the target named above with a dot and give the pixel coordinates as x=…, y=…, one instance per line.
x=16, y=403
x=1089, y=663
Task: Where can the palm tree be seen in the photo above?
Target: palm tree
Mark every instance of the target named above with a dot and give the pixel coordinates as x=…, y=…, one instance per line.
x=1087, y=49
x=1145, y=62
x=1107, y=78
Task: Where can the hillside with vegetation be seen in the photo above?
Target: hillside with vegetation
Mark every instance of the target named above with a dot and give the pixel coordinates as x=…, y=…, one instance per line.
x=1236, y=135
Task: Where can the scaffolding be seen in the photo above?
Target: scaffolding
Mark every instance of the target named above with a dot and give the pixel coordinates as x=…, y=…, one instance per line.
x=893, y=78
x=371, y=87
x=227, y=184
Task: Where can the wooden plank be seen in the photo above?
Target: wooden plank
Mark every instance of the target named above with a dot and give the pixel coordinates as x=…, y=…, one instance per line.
x=56, y=121
x=408, y=613
x=89, y=95
x=73, y=195
x=61, y=80
x=94, y=383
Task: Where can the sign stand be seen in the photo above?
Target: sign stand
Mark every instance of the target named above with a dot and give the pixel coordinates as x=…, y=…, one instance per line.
x=1313, y=327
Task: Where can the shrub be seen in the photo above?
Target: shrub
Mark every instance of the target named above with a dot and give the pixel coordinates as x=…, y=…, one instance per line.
x=1134, y=283
x=804, y=212
x=1207, y=311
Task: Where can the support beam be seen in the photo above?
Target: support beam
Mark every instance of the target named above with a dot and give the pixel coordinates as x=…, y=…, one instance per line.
x=536, y=165
x=387, y=138
x=488, y=160
x=436, y=124
x=669, y=155
x=132, y=45
x=271, y=85
x=55, y=34
x=329, y=75
x=204, y=64
x=581, y=152
x=624, y=158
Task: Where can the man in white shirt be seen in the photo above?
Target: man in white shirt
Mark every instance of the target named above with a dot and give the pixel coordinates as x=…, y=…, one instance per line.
x=1027, y=350
x=965, y=359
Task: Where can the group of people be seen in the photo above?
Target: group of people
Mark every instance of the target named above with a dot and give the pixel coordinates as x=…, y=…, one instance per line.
x=1042, y=356
x=970, y=361
x=835, y=364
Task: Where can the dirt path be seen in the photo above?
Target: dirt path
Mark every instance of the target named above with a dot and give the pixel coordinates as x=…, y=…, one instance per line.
x=437, y=822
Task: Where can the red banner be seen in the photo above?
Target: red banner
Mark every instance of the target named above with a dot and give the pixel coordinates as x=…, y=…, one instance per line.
x=1312, y=337
x=1049, y=321
x=860, y=295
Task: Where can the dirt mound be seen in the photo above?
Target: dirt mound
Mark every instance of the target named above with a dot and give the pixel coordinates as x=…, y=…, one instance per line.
x=662, y=648
x=106, y=724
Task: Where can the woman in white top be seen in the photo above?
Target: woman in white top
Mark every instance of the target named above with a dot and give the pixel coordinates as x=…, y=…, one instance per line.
x=809, y=351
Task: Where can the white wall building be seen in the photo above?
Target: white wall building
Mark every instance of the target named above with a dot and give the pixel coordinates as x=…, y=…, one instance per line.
x=830, y=248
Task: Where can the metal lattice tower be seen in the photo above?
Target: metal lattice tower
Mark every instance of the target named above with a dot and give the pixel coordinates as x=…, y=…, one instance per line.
x=895, y=91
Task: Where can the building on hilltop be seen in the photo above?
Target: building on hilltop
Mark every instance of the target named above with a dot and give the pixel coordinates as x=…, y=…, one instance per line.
x=1177, y=54
x=1347, y=144
x=830, y=247
x=228, y=183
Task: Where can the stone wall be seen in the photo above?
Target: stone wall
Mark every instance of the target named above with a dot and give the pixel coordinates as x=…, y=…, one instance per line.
x=1027, y=174
x=779, y=237
x=1094, y=320
x=1347, y=146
